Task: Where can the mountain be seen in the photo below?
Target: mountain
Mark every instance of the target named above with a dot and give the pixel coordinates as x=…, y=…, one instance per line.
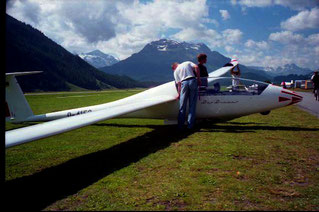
x=98, y=59
x=153, y=62
x=28, y=49
x=288, y=69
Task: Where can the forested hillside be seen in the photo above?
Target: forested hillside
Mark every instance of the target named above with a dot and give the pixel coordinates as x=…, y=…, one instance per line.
x=28, y=49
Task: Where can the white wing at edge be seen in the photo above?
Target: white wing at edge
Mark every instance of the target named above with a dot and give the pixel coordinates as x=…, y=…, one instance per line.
x=224, y=70
x=35, y=132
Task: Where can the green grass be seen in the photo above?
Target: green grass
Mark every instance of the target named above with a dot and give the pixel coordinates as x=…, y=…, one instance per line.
x=251, y=163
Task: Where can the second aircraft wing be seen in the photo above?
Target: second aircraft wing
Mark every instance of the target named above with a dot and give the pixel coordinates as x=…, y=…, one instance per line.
x=223, y=70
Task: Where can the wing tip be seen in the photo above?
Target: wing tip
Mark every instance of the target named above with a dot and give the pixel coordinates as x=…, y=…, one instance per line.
x=233, y=62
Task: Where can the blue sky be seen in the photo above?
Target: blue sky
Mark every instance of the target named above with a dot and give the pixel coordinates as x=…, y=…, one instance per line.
x=256, y=32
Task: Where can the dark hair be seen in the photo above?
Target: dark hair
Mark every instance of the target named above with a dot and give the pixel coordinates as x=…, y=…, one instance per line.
x=176, y=63
x=201, y=57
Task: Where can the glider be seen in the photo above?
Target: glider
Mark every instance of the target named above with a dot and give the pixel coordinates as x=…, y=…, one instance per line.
x=218, y=101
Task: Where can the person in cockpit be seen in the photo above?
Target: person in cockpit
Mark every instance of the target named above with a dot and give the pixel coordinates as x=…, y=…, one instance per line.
x=235, y=78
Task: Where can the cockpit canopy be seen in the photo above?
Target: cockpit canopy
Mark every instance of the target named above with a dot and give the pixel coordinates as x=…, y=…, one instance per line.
x=230, y=86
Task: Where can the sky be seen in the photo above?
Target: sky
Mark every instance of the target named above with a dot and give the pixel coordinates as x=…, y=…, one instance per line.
x=268, y=33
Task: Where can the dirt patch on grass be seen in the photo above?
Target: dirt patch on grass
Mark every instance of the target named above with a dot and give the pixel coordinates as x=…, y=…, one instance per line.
x=238, y=157
x=174, y=204
x=284, y=192
x=246, y=204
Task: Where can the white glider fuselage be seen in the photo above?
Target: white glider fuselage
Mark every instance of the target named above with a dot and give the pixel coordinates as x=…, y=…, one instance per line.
x=219, y=106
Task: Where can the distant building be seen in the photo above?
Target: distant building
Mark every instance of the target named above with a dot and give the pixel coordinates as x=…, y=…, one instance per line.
x=303, y=84
x=308, y=84
x=298, y=83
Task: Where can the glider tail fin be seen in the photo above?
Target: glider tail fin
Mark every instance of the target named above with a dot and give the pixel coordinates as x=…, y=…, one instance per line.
x=16, y=105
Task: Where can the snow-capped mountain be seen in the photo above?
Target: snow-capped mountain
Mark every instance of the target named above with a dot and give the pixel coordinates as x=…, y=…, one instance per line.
x=285, y=70
x=153, y=62
x=171, y=45
x=98, y=59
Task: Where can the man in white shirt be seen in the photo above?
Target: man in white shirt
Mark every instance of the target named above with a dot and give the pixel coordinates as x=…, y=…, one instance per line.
x=187, y=90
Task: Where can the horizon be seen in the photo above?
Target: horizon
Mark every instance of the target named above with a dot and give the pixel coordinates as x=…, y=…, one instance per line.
x=259, y=33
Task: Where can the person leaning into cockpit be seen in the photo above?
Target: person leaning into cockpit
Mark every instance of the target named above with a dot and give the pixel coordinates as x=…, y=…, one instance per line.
x=187, y=83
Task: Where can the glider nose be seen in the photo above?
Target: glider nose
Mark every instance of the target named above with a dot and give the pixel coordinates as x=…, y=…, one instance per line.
x=289, y=96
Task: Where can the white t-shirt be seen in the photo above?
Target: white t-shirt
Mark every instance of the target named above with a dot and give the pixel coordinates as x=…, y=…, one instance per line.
x=184, y=71
x=235, y=81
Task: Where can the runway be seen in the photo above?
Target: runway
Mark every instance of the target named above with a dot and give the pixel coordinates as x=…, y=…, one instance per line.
x=309, y=103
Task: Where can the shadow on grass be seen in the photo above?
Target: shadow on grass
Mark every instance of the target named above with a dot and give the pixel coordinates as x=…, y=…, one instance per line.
x=228, y=127
x=241, y=129
x=128, y=125
x=41, y=189
x=234, y=127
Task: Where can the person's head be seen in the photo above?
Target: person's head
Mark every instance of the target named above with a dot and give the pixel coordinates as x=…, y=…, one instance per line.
x=174, y=66
x=316, y=72
x=234, y=71
x=202, y=58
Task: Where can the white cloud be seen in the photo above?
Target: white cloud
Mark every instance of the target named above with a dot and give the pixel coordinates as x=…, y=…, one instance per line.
x=210, y=21
x=254, y=3
x=313, y=40
x=308, y=19
x=286, y=37
x=263, y=45
x=259, y=59
x=232, y=36
x=249, y=59
x=225, y=14
x=292, y=4
x=297, y=4
x=210, y=36
x=229, y=48
x=250, y=43
x=294, y=48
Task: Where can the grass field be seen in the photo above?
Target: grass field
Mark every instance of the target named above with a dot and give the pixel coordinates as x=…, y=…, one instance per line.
x=250, y=163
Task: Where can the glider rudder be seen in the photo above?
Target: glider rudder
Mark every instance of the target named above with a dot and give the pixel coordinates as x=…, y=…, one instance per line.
x=17, y=107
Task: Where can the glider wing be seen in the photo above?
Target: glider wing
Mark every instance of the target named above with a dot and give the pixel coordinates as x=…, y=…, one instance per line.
x=35, y=132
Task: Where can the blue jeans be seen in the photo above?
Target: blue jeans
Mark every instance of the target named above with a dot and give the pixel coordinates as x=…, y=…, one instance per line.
x=189, y=91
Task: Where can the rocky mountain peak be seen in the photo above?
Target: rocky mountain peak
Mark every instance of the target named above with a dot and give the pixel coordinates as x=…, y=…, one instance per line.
x=172, y=45
x=98, y=59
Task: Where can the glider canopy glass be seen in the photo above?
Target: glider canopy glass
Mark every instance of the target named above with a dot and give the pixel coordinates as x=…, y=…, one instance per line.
x=227, y=86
